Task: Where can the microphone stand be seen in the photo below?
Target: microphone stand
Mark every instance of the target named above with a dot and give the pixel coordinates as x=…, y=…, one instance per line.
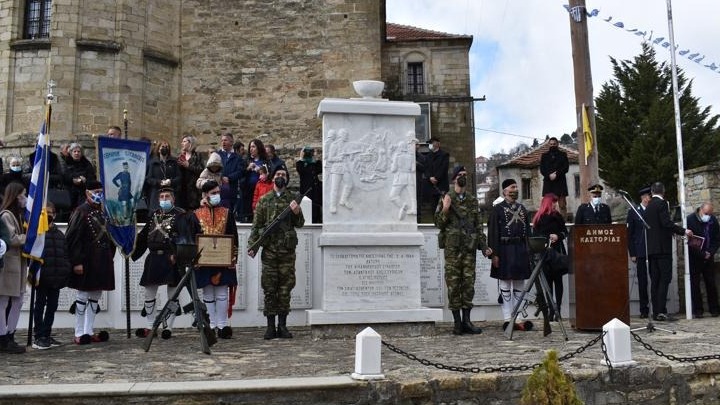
x=650, y=327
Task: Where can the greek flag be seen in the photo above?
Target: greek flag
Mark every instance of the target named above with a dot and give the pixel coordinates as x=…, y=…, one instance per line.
x=35, y=214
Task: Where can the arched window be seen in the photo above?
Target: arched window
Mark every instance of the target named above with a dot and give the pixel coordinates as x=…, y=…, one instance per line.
x=37, y=19
x=415, y=73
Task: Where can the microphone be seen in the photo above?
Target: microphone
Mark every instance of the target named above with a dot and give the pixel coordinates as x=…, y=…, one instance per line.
x=623, y=192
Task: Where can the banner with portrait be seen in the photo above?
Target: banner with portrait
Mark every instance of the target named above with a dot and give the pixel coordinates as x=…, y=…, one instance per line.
x=122, y=164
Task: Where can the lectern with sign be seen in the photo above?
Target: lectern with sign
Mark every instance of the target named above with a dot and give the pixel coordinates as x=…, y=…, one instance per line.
x=599, y=280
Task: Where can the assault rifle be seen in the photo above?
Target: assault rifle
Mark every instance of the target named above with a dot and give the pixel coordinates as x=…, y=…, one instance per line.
x=202, y=321
x=275, y=224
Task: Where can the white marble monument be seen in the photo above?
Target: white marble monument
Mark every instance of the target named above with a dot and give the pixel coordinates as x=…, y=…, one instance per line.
x=370, y=241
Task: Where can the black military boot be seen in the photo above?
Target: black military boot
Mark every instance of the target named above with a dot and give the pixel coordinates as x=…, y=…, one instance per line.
x=457, y=328
x=467, y=325
x=270, y=332
x=282, y=330
x=8, y=345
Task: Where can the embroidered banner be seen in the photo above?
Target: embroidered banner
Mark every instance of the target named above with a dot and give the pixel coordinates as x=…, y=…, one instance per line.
x=122, y=165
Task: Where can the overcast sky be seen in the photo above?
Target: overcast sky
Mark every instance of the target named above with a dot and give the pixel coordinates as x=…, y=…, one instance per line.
x=521, y=56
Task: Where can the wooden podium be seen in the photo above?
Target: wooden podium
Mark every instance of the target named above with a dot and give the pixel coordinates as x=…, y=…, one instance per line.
x=599, y=276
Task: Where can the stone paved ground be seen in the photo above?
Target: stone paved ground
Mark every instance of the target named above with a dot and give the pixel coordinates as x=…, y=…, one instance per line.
x=248, y=356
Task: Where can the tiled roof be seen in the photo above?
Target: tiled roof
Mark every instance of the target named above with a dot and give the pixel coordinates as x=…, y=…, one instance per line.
x=531, y=159
x=397, y=32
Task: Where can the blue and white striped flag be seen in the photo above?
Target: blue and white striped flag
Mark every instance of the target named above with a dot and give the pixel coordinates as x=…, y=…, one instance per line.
x=35, y=214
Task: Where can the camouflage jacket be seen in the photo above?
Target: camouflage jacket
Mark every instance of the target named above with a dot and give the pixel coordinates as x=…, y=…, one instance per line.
x=268, y=208
x=464, y=230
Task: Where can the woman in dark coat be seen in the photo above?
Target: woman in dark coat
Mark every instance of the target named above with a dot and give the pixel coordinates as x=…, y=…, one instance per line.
x=549, y=222
x=78, y=172
x=191, y=165
x=163, y=171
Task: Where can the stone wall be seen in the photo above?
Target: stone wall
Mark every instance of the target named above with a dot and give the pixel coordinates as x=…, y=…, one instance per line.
x=252, y=67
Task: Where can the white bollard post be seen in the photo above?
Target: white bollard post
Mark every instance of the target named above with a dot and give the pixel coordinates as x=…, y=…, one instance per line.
x=617, y=343
x=368, y=365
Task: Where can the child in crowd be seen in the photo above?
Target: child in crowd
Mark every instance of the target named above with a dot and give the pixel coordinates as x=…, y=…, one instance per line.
x=263, y=186
x=52, y=277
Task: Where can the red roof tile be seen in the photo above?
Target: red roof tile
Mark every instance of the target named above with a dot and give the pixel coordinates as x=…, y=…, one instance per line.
x=531, y=159
x=398, y=33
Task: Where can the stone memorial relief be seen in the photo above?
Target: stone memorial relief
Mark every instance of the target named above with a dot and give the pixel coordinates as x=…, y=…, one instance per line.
x=366, y=166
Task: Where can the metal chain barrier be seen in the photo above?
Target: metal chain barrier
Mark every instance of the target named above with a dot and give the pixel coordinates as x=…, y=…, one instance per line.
x=670, y=357
x=501, y=369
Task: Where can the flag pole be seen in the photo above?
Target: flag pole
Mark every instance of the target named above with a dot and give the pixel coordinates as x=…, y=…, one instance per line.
x=127, y=260
x=681, y=164
x=33, y=266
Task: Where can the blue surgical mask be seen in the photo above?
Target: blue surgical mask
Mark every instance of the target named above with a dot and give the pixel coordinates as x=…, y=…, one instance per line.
x=595, y=201
x=215, y=200
x=705, y=218
x=96, y=197
x=166, y=205
x=15, y=169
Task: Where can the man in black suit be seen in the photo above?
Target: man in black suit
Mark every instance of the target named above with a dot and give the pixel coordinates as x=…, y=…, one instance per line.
x=554, y=165
x=593, y=212
x=638, y=250
x=659, y=246
x=435, y=179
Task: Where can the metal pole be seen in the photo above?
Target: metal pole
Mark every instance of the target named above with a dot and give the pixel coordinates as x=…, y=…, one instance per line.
x=681, y=165
x=127, y=261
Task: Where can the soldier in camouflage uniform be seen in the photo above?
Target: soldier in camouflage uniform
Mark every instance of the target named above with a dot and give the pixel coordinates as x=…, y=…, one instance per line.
x=278, y=254
x=458, y=217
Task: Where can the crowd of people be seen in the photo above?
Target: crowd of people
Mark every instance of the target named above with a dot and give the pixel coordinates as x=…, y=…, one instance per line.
x=184, y=197
x=509, y=227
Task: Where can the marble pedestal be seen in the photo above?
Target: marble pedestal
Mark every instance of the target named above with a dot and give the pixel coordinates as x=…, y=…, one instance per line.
x=372, y=278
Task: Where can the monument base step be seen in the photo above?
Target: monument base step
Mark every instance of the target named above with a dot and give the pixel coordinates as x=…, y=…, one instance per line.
x=405, y=322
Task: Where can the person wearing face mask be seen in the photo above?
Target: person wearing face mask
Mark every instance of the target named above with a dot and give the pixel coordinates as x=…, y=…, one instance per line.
x=703, y=223
x=218, y=284
x=461, y=236
x=508, y=232
x=278, y=252
x=14, y=174
x=264, y=185
x=14, y=271
x=595, y=211
x=435, y=179
x=160, y=235
x=91, y=252
x=554, y=165
x=163, y=171
x=55, y=272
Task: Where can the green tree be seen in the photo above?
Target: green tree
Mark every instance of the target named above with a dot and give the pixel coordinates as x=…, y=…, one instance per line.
x=636, y=126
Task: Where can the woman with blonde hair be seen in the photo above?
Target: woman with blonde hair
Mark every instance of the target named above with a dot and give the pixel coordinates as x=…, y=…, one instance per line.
x=191, y=165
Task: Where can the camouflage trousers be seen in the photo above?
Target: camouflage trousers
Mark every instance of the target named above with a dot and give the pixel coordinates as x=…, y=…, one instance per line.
x=277, y=280
x=460, y=277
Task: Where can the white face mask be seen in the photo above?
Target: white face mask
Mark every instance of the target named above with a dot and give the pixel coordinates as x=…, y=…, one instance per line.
x=705, y=218
x=595, y=201
x=431, y=147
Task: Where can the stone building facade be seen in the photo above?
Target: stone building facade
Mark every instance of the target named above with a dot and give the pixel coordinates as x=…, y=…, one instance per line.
x=432, y=68
x=256, y=68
